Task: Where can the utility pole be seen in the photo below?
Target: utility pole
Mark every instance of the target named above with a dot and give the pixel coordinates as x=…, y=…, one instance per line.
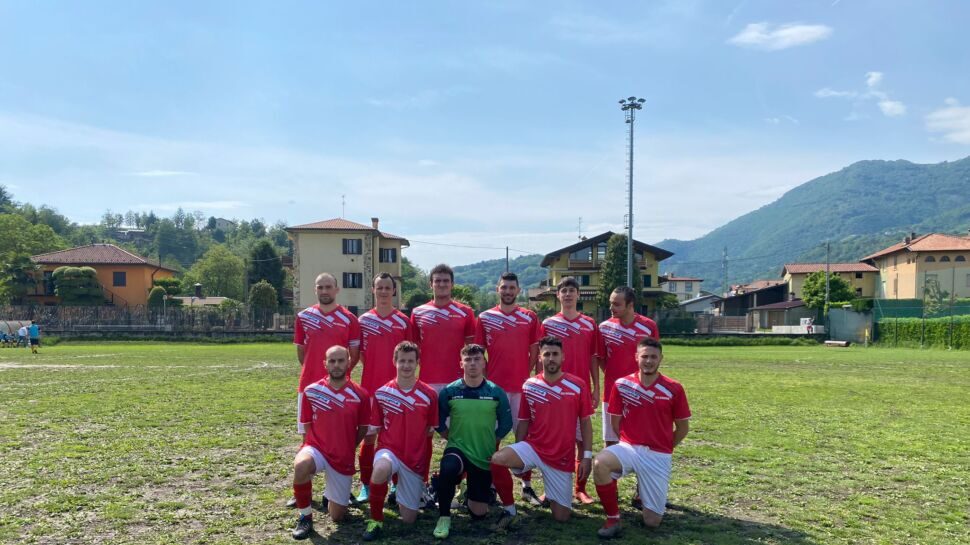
x=827, y=269
x=724, y=272
x=630, y=106
x=506, y=259
x=343, y=206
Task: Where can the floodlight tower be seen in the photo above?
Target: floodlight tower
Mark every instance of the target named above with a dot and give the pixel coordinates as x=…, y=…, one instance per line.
x=630, y=105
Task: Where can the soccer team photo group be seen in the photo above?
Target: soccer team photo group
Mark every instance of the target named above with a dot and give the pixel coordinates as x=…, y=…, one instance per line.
x=467, y=382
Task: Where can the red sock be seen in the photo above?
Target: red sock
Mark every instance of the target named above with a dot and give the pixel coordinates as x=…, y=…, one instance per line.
x=377, y=494
x=427, y=460
x=303, y=493
x=502, y=479
x=366, y=462
x=610, y=501
x=527, y=476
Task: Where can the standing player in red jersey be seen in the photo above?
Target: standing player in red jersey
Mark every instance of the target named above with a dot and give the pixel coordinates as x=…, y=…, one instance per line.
x=580, y=336
x=405, y=412
x=335, y=415
x=509, y=333
x=382, y=328
x=441, y=327
x=618, y=345
x=554, y=403
x=650, y=413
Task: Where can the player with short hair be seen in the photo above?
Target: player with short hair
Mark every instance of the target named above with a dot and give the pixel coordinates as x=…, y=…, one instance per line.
x=382, y=330
x=580, y=337
x=474, y=415
x=335, y=413
x=554, y=402
x=509, y=334
x=405, y=412
x=650, y=414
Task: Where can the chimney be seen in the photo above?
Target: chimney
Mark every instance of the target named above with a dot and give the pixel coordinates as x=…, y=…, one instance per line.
x=198, y=291
x=912, y=235
x=374, y=222
x=906, y=240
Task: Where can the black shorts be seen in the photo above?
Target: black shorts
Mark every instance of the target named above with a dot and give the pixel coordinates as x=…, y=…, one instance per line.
x=479, y=480
x=34, y=342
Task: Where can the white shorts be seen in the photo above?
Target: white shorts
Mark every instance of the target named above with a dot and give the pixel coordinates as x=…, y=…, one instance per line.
x=299, y=408
x=410, y=485
x=515, y=399
x=558, y=483
x=337, y=489
x=608, y=433
x=652, y=470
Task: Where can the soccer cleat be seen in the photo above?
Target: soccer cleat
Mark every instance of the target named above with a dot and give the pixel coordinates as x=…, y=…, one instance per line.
x=504, y=522
x=429, y=498
x=529, y=495
x=584, y=498
x=546, y=502
x=291, y=503
x=364, y=494
x=442, y=528
x=373, y=530
x=324, y=503
x=304, y=527
x=392, y=495
x=609, y=531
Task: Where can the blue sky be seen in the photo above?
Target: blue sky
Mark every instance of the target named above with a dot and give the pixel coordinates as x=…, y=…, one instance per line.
x=469, y=124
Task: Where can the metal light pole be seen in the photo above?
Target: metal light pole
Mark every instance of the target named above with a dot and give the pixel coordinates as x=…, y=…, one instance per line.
x=630, y=106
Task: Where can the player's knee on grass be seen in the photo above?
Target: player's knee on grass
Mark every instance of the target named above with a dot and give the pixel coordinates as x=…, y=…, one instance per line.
x=408, y=516
x=337, y=512
x=478, y=508
x=303, y=468
x=560, y=513
x=651, y=519
x=382, y=471
x=507, y=457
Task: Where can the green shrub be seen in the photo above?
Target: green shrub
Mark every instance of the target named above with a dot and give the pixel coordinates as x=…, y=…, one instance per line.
x=945, y=332
x=173, y=286
x=156, y=297
x=740, y=341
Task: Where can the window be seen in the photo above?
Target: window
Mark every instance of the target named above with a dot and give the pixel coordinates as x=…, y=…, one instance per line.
x=582, y=254
x=960, y=258
x=930, y=259
x=353, y=280
x=601, y=251
x=858, y=292
x=647, y=281
x=119, y=279
x=688, y=287
x=858, y=275
x=353, y=246
x=388, y=255
x=638, y=256
x=671, y=286
x=584, y=280
x=945, y=259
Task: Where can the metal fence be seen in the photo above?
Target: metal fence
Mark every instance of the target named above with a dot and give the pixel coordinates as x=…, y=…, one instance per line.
x=67, y=319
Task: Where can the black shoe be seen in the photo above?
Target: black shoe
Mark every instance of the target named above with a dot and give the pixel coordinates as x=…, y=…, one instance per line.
x=430, y=497
x=324, y=503
x=529, y=495
x=637, y=503
x=304, y=527
x=392, y=498
x=291, y=503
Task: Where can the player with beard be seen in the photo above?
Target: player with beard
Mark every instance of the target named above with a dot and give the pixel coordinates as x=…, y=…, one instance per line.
x=650, y=414
x=509, y=334
x=335, y=413
x=553, y=404
x=382, y=329
x=317, y=329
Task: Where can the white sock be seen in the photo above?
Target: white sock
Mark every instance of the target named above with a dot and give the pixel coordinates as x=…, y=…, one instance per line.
x=510, y=509
x=306, y=511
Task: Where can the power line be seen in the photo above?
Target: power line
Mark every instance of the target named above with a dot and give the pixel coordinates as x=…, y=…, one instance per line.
x=472, y=247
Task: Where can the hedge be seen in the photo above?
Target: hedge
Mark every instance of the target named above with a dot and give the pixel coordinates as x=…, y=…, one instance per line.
x=931, y=332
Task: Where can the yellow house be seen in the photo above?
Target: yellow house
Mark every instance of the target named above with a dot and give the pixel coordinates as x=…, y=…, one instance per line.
x=125, y=278
x=354, y=253
x=861, y=276
x=583, y=261
x=908, y=267
x=684, y=287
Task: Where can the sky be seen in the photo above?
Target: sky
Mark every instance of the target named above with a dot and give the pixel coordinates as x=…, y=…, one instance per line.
x=467, y=127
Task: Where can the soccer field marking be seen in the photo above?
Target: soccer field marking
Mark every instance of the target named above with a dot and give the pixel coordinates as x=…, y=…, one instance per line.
x=258, y=366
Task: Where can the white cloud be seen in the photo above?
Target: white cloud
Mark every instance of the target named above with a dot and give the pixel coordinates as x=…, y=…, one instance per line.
x=773, y=38
x=873, y=79
x=888, y=106
x=162, y=173
x=427, y=163
x=825, y=92
x=953, y=122
x=778, y=120
x=892, y=108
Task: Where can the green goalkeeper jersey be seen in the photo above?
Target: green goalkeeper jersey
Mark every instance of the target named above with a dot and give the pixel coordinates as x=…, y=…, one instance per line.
x=480, y=418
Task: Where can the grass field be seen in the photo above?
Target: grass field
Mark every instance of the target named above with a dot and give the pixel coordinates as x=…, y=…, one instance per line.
x=179, y=443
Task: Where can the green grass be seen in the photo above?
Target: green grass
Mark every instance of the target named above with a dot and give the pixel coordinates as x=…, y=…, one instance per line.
x=181, y=443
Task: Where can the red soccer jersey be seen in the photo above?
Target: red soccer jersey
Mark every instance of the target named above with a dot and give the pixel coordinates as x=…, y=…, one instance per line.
x=441, y=333
x=618, y=347
x=648, y=411
x=379, y=336
x=552, y=411
x=318, y=331
x=334, y=416
x=403, y=419
x=508, y=338
x=579, y=339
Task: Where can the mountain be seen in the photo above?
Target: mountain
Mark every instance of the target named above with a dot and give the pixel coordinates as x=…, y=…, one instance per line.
x=485, y=274
x=859, y=210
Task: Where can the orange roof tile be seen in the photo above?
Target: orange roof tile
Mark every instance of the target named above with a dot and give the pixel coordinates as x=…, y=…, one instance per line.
x=932, y=242
x=340, y=224
x=94, y=254
x=803, y=268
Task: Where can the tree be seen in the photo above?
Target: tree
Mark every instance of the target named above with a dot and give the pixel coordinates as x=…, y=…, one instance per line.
x=156, y=297
x=6, y=199
x=17, y=276
x=463, y=293
x=220, y=272
x=813, y=290
x=613, y=272
x=667, y=301
x=265, y=264
x=263, y=302
x=934, y=297
x=77, y=286
x=172, y=286
x=22, y=238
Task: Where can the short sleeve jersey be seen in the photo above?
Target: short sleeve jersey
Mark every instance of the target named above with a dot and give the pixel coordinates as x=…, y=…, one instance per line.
x=648, y=410
x=479, y=418
x=317, y=331
x=552, y=410
x=441, y=333
x=508, y=338
x=379, y=336
x=334, y=416
x=403, y=419
x=579, y=339
x=618, y=347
